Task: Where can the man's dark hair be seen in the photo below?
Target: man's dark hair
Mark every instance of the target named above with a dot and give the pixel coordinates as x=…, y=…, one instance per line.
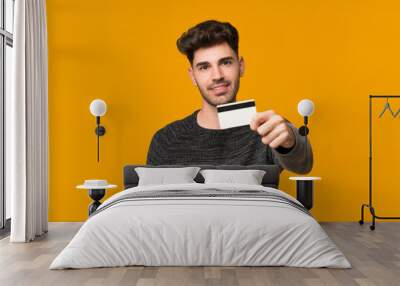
x=207, y=34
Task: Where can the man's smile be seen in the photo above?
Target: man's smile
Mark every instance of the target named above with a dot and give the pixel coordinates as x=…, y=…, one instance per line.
x=221, y=88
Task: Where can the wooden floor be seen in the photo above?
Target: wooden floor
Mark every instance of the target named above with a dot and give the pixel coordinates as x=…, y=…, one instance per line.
x=375, y=257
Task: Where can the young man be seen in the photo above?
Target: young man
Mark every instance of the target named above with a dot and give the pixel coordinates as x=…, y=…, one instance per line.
x=215, y=68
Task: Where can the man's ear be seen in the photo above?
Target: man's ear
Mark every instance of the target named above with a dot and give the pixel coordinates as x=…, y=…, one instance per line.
x=191, y=75
x=241, y=66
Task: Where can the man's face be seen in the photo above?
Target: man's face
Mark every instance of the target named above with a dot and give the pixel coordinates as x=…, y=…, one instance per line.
x=216, y=71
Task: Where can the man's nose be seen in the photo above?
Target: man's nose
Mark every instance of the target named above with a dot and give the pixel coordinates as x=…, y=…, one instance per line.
x=217, y=74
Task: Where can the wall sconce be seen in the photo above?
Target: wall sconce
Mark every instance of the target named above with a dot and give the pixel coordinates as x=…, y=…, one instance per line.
x=305, y=108
x=98, y=108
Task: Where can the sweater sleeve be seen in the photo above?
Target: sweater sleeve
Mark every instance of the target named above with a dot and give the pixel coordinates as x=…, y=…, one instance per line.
x=156, y=154
x=299, y=158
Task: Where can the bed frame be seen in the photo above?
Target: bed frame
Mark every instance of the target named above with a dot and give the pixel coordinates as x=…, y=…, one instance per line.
x=270, y=179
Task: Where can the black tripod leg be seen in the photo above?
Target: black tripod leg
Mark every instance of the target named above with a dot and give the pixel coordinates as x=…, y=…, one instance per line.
x=372, y=227
x=361, y=221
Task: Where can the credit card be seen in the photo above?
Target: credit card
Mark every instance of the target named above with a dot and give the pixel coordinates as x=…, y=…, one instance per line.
x=236, y=113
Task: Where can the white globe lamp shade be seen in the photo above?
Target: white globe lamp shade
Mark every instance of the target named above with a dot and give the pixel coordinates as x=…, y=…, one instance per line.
x=98, y=107
x=305, y=107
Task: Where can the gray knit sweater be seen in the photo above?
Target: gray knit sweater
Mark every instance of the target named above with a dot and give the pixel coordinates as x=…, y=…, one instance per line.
x=185, y=142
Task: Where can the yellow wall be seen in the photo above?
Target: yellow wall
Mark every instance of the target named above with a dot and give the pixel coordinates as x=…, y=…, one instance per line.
x=333, y=52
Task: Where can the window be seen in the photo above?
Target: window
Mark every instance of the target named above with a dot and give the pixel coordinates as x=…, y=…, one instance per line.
x=6, y=45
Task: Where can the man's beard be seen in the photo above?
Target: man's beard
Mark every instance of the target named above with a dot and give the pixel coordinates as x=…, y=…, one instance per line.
x=213, y=99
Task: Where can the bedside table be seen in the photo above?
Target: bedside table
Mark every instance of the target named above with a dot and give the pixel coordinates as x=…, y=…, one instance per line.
x=97, y=190
x=304, y=190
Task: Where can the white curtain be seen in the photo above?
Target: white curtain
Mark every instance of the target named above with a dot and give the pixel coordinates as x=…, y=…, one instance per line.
x=27, y=124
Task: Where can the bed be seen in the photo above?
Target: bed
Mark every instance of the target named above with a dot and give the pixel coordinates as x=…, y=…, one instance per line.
x=201, y=224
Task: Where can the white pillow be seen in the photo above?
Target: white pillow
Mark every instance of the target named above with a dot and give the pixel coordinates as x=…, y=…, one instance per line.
x=249, y=177
x=161, y=176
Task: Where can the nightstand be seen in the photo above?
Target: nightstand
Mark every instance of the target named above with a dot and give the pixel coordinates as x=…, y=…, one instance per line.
x=97, y=190
x=304, y=190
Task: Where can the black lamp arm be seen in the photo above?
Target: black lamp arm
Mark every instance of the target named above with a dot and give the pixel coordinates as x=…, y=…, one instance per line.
x=100, y=131
x=303, y=130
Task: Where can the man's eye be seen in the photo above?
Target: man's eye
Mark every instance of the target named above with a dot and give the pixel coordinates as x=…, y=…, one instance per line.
x=203, y=67
x=227, y=62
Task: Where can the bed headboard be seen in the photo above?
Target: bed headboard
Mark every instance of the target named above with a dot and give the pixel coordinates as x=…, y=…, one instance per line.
x=270, y=179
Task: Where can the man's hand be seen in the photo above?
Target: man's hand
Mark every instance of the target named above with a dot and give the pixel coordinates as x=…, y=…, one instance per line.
x=273, y=129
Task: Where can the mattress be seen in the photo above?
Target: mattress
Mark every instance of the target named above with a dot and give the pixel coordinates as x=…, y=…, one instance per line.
x=201, y=225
